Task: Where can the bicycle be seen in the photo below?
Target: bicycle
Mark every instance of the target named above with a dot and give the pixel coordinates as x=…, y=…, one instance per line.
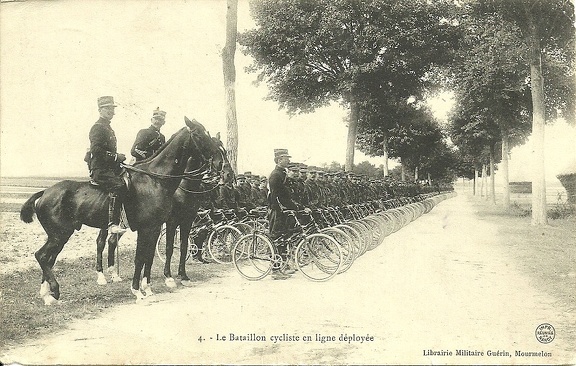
x=316, y=255
x=199, y=223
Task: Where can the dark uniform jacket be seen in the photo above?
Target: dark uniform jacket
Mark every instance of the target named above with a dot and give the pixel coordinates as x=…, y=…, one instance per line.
x=102, y=147
x=227, y=197
x=279, y=192
x=148, y=141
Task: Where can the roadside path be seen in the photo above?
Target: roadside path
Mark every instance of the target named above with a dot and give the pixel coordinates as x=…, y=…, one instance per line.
x=441, y=284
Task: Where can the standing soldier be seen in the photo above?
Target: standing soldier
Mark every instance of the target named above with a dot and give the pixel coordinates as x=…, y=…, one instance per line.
x=311, y=188
x=227, y=196
x=104, y=162
x=263, y=191
x=250, y=202
x=279, y=196
x=149, y=140
x=255, y=190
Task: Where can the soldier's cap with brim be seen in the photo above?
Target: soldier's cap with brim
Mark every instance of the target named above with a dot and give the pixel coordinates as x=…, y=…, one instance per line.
x=158, y=114
x=240, y=176
x=106, y=101
x=294, y=166
x=263, y=179
x=248, y=175
x=278, y=153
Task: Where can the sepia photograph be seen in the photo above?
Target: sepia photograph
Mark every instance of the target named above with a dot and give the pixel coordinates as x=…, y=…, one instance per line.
x=287, y=182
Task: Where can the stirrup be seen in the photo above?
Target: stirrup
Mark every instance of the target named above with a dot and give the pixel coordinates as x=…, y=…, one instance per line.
x=115, y=229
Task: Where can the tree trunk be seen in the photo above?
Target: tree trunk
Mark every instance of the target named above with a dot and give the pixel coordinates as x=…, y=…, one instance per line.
x=475, y=181
x=492, y=180
x=505, y=177
x=229, y=70
x=352, y=131
x=538, y=119
x=429, y=180
x=483, y=180
x=402, y=172
x=385, y=153
x=416, y=174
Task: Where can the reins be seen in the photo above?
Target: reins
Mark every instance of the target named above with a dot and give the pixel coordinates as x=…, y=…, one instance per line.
x=198, y=192
x=186, y=175
x=194, y=175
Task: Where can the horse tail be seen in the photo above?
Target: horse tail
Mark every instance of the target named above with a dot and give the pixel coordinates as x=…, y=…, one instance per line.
x=27, y=210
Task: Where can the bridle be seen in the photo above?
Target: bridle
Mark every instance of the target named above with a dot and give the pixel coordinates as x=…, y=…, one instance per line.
x=198, y=174
x=214, y=175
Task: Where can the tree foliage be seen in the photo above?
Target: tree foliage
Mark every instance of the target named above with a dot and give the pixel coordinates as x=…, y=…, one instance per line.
x=311, y=53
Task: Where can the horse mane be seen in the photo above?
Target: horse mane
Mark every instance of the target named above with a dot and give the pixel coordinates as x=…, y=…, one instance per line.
x=160, y=149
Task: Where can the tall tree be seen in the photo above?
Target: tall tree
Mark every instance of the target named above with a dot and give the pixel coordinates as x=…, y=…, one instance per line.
x=547, y=26
x=229, y=70
x=314, y=52
x=491, y=87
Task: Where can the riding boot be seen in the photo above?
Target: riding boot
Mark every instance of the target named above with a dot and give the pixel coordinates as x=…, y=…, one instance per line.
x=114, y=216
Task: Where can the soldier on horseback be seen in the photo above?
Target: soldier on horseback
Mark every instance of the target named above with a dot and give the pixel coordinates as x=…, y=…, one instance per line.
x=149, y=140
x=104, y=161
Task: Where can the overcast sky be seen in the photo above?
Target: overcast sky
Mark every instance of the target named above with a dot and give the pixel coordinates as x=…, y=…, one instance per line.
x=58, y=57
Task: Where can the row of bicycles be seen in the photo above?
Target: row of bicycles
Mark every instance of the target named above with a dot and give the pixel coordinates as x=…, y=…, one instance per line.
x=322, y=242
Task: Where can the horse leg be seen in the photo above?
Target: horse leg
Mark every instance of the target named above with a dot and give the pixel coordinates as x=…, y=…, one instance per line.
x=184, y=233
x=139, y=260
x=199, y=240
x=113, y=240
x=46, y=257
x=171, y=226
x=100, y=244
x=151, y=249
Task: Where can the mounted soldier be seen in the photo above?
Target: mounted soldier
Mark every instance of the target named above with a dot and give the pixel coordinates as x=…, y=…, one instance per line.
x=149, y=140
x=104, y=162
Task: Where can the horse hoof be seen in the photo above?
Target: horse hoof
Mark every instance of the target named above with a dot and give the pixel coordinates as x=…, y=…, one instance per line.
x=50, y=300
x=101, y=279
x=186, y=283
x=139, y=295
x=116, y=278
x=44, y=289
x=170, y=283
x=146, y=288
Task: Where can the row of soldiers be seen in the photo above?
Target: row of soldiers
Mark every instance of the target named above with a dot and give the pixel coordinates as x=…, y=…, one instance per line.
x=311, y=187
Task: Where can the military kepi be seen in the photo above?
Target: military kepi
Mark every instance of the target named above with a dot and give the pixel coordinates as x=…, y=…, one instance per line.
x=159, y=114
x=280, y=153
x=106, y=101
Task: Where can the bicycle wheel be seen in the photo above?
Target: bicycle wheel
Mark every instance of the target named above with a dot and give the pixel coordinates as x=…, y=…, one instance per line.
x=161, y=245
x=243, y=227
x=253, y=256
x=318, y=257
x=221, y=241
x=355, y=236
x=346, y=246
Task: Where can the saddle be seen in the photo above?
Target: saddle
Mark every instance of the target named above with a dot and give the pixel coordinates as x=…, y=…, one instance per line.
x=125, y=177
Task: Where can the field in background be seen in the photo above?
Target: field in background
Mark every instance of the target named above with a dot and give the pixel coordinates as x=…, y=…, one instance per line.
x=14, y=191
x=555, y=193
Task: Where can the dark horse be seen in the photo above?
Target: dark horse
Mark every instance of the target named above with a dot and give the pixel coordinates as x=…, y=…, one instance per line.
x=188, y=198
x=68, y=205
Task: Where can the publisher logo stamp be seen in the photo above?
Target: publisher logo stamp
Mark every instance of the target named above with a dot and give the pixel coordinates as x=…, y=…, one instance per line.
x=545, y=333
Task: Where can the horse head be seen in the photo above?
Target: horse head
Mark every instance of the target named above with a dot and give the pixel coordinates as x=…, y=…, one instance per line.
x=211, y=156
x=226, y=172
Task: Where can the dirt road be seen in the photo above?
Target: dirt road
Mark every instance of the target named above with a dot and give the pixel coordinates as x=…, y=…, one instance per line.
x=439, y=291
